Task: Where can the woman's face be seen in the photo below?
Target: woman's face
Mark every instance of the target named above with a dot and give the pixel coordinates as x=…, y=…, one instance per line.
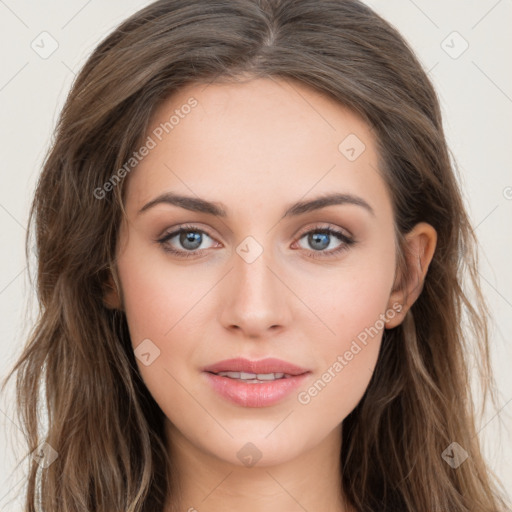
x=263, y=279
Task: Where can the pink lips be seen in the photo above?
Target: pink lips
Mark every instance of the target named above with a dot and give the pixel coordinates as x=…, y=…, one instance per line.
x=257, y=394
x=268, y=365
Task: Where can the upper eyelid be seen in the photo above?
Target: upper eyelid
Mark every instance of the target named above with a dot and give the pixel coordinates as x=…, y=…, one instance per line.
x=175, y=231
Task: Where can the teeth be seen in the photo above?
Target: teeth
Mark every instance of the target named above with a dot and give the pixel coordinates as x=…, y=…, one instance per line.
x=270, y=376
x=231, y=375
x=252, y=377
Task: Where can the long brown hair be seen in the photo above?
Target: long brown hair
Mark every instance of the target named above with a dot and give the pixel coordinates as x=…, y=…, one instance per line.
x=102, y=422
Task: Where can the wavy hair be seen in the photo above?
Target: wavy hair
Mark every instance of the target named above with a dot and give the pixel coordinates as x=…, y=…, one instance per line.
x=78, y=363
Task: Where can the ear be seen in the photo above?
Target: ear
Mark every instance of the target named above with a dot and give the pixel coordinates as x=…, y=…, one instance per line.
x=420, y=246
x=111, y=294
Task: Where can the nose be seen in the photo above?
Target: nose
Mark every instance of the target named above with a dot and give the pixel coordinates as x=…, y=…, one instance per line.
x=255, y=298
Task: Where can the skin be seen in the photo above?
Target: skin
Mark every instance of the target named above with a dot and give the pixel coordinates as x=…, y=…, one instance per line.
x=257, y=147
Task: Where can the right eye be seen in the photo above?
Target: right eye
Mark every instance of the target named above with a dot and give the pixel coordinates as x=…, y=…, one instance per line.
x=189, y=237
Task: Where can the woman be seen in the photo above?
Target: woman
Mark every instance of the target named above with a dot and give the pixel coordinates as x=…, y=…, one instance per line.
x=251, y=253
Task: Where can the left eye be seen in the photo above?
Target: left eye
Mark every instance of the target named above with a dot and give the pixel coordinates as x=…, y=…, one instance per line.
x=320, y=239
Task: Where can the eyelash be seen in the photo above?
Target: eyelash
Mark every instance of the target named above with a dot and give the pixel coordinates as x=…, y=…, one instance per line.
x=347, y=242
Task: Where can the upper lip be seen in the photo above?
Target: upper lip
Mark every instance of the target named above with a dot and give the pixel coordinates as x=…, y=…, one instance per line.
x=268, y=365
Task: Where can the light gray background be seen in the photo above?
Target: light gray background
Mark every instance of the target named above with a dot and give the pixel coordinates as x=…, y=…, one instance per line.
x=475, y=88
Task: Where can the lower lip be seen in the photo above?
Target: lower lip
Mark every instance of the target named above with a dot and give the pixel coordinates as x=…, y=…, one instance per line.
x=254, y=394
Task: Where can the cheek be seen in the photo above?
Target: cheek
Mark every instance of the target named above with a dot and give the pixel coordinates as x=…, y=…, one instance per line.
x=166, y=310
x=158, y=296
x=348, y=299
x=159, y=311
x=353, y=306
x=347, y=358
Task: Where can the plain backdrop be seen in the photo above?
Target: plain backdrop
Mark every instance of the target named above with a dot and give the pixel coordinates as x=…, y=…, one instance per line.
x=464, y=45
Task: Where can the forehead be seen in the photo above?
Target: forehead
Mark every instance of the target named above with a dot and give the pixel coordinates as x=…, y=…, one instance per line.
x=252, y=142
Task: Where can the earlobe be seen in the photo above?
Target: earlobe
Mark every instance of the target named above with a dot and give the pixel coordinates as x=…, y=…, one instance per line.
x=420, y=247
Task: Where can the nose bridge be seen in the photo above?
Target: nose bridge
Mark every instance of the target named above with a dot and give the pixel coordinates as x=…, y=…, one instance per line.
x=256, y=297
x=252, y=269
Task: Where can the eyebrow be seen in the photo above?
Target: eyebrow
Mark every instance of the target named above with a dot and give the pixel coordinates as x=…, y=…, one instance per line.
x=197, y=204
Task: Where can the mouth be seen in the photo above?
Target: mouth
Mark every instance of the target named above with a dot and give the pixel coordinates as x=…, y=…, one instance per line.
x=254, y=383
x=253, y=378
